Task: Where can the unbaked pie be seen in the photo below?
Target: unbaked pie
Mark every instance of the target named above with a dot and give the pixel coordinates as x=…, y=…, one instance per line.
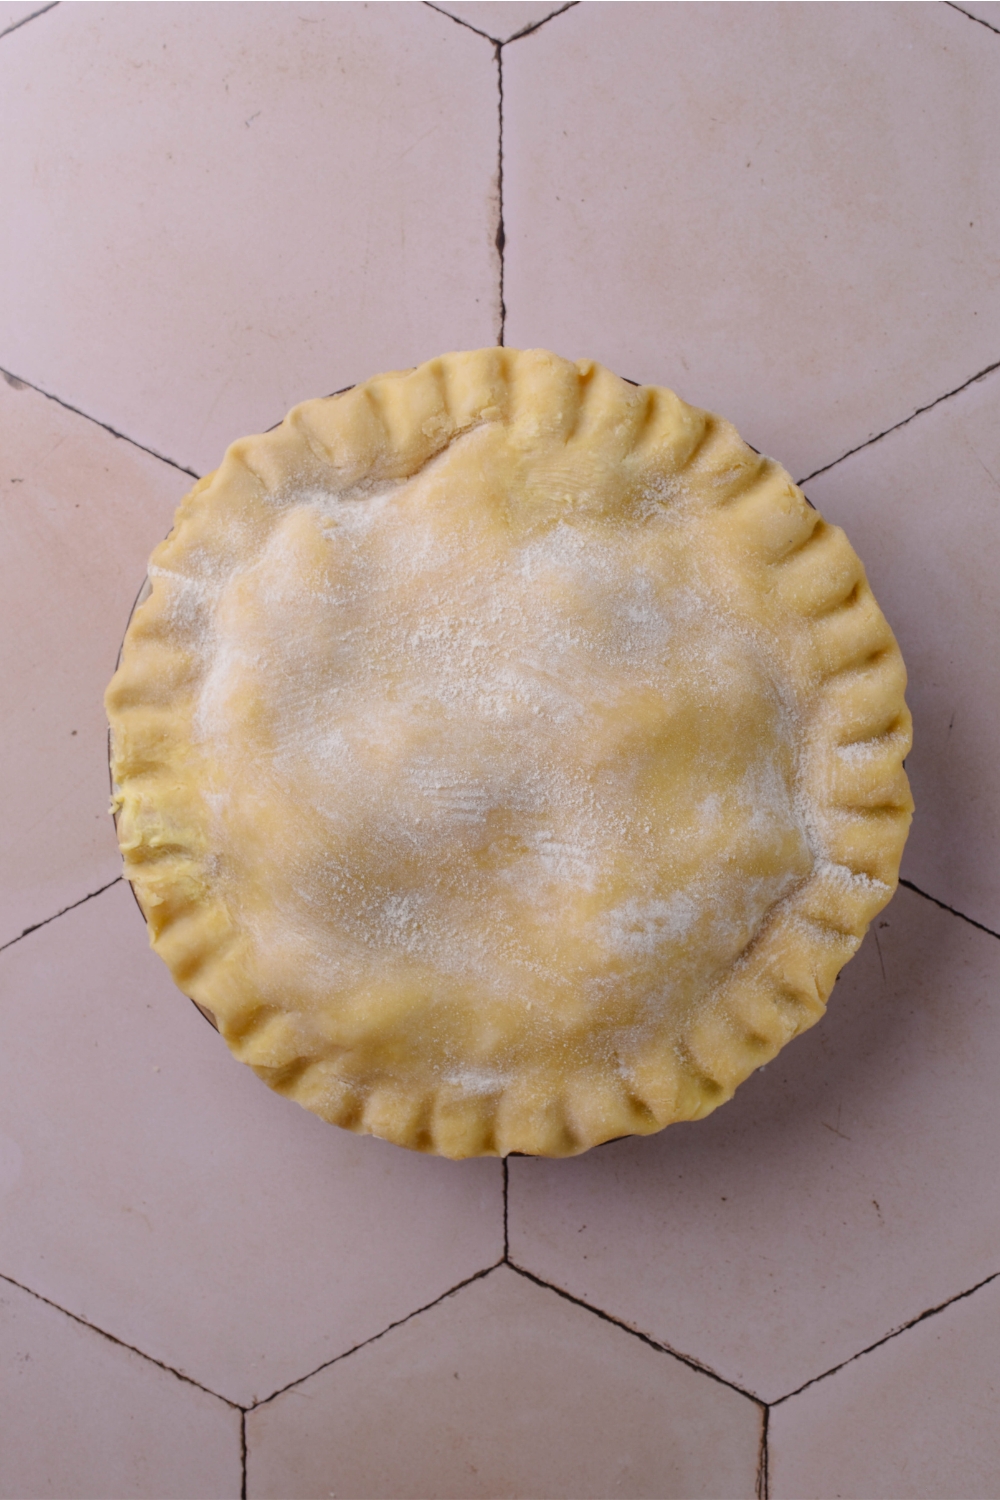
x=507, y=758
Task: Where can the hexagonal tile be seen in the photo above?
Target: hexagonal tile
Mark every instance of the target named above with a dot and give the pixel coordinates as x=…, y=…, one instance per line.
x=502, y=20
x=731, y=221
x=844, y=1190
x=505, y=1389
x=85, y=1417
x=921, y=507
x=214, y=1225
x=81, y=512
x=919, y=1416
x=240, y=206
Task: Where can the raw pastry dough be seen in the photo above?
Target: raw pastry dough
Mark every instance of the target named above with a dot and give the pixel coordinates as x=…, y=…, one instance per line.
x=507, y=757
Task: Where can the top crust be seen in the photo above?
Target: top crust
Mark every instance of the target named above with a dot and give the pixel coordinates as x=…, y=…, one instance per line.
x=508, y=758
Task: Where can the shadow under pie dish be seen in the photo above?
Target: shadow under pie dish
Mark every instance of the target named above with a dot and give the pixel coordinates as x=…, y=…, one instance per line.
x=506, y=757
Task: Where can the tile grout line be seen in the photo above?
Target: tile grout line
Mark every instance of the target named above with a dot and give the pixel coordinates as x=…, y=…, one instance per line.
x=506, y=1198
x=113, y=1339
x=684, y=1359
x=56, y=915
x=537, y=25
x=516, y=36
x=763, y=1488
x=18, y=383
x=33, y=17
x=945, y=907
x=929, y=1312
x=459, y=22
x=346, y=1354
x=243, y=1454
x=825, y=468
x=970, y=17
x=500, y=239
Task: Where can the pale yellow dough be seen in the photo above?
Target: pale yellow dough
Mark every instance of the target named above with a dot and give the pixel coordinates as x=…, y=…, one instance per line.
x=507, y=757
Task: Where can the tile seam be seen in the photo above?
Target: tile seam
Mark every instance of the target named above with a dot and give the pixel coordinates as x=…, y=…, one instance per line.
x=346, y=1354
x=869, y=442
x=500, y=239
x=894, y=1333
x=25, y=19
x=18, y=382
x=113, y=1339
x=645, y=1338
x=537, y=25
x=945, y=907
x=56, y=915
x=506, y=1199
x=515, y=36
x=763, y=1486
x=459, y=22
x=970, y=17
x=243, y=1454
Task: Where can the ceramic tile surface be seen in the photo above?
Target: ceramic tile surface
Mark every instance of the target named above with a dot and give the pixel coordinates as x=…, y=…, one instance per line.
x=922, y=508
x=730, y=222
x=84, y=1417
x=918, y=1417
x=505, y=1389
x=788, y=212
x=843, y=1190
x=81, y=511
x=217, y=1227
x=229, y=208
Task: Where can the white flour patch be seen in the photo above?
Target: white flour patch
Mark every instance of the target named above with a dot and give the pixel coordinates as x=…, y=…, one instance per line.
x=460, y=734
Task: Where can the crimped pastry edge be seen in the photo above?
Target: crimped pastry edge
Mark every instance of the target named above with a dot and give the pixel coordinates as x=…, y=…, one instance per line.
x=388, y=428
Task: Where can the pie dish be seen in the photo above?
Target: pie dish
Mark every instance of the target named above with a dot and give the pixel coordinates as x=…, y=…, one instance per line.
x=507, y=758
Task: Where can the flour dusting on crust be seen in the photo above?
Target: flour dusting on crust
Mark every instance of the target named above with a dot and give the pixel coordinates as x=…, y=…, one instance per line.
x=506, y=757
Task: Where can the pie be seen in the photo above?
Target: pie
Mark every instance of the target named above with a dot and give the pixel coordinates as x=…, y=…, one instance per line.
x=507, y=757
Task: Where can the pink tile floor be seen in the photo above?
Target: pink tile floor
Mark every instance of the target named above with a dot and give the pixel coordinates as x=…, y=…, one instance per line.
x=790, y=213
